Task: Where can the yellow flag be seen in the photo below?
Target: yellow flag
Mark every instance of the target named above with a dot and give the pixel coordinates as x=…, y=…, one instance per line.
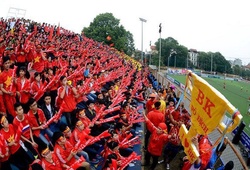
x=208, y=106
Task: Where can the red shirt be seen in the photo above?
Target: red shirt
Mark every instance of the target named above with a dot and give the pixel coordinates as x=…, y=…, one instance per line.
x=20, y=58
x=5, y=79
x=35, y=87
x=77, y=134
x=25, y=123
x=150, y=105
x=62, y=154
x=56, y=165
x=69, y=99
x=63, y=63
x=9, y=136
x=23, y=86
x=55, y=85
x=34, y=122
x=85, y=121
x=156, y=117
x=39, y=63
x=4, y=149
x=156, y=141
x=176, y=115
x=174, y=132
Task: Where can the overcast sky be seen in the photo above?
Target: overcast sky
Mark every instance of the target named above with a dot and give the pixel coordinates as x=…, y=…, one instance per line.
x=205, y=25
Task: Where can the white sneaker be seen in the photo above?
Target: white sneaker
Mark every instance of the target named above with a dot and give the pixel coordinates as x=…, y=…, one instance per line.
x=161, y=161
x=168, y=167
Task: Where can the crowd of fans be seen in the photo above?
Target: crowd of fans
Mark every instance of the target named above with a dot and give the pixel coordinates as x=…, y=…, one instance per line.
x=66, y=101
x=69, y=102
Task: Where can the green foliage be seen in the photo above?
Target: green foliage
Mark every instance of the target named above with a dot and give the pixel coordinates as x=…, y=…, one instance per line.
x=219, y=63
x=105, y=25
x=179, y=59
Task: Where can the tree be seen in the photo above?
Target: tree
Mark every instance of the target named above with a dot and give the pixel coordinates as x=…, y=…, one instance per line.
x=177, y=59
x=107, y=29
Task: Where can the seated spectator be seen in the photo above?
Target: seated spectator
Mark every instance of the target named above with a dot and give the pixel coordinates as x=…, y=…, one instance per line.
x=37, y=122
x=65, y=152
x=49, y=111
x=28, y=138
x=70, y=137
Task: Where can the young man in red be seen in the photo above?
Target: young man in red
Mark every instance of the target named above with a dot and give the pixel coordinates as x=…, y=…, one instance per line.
x=49, y=159
x=23, y=88
x=69, y=136
x=67, y=94
x=82, y=133
x=159, y=137
x=65, y=151
x=150, y=102
x=22, y=121
x=156, y=117
x=37, y=121
x=39, y=59
x=7, y=86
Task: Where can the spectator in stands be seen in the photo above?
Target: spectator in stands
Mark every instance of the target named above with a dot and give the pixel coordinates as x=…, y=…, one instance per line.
x=49, y=159
x=39, y=58
x=22, y=121
x=150, y=102
x=37, y=85
x=28, y=41
x=174, y=144
x=69, y=136
x=83, y=133
x=149, y=90
x=7, y=87
x=4, y=152
x=19, y=157
x=156, y=117
x=159, y=137
x=205, y=150
x=163, y=103
x=49, y=111
x=38, y=121
x=23, y=88
x=65, y=152
x=67, y=94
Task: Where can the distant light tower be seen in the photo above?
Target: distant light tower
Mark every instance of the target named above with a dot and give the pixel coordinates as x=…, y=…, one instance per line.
x=150, y=53
x=159, y=69
x=142, y=20
x=211, y=63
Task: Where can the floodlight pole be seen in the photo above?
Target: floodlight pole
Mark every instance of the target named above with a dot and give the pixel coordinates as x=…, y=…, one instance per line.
x=150, y=53
x=211, y=63
x=142, y=20
x=159, y=69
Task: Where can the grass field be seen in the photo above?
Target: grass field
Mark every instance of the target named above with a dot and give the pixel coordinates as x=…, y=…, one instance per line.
x=236, y=92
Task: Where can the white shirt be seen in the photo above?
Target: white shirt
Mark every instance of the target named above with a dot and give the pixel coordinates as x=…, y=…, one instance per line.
x=49, y=108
